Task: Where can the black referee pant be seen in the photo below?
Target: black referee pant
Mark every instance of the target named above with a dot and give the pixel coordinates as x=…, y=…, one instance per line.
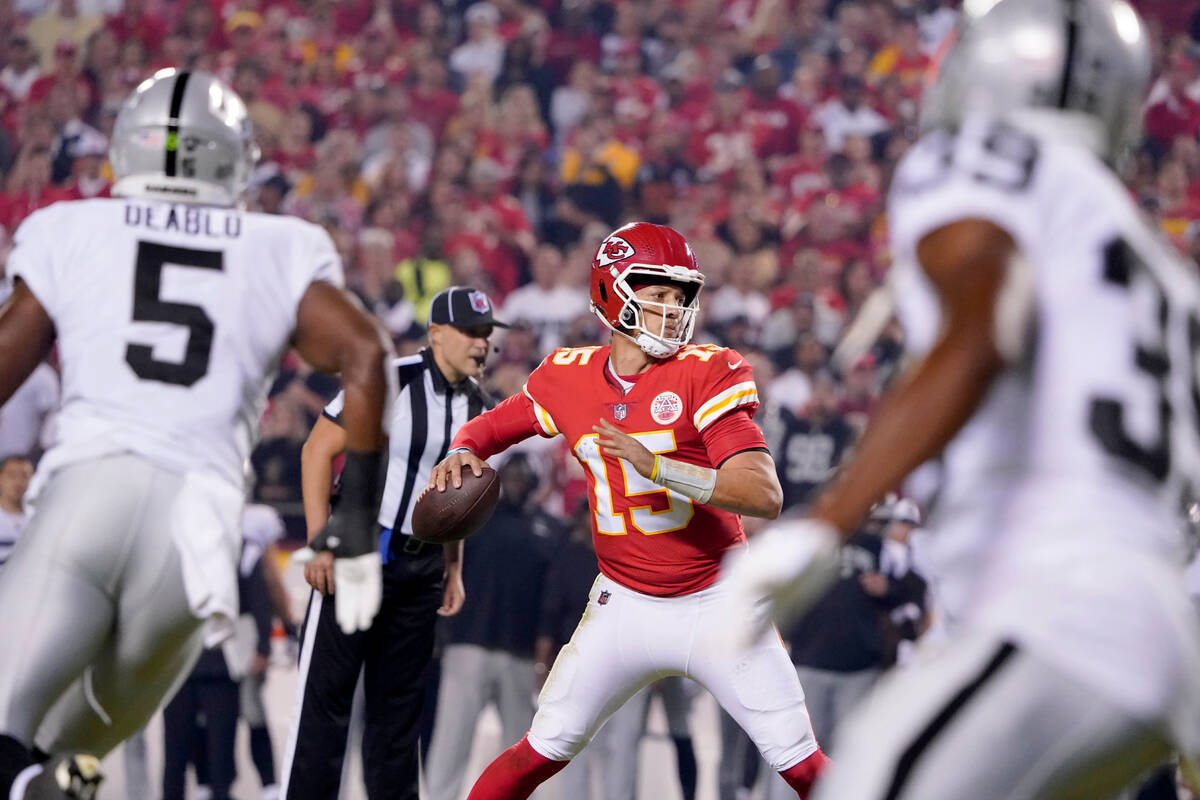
x=391, y=656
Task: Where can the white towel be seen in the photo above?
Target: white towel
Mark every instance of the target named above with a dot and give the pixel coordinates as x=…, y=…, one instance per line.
x=206, y=527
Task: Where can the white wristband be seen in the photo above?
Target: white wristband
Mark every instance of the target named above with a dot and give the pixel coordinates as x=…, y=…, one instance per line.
x=687, y=479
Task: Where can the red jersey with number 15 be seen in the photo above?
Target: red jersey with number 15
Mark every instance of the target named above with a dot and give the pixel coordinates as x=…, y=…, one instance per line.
x=694, y=406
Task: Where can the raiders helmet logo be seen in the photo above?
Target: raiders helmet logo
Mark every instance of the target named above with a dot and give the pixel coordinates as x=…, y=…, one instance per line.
x=612, y=250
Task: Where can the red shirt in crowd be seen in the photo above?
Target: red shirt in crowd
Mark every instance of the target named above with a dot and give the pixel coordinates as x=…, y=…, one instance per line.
x=433, y=108
x=1174, y=115
x=781, y=119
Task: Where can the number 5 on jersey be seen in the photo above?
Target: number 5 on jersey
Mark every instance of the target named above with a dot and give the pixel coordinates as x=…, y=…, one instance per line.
x=630, y=484
x=148, y=306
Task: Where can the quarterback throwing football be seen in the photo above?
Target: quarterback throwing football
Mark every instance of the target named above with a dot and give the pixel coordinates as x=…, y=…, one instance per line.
x=665, y=434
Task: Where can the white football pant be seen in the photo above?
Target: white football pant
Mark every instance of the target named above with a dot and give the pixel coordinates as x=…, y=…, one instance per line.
x=627, y=640
x=96, y=630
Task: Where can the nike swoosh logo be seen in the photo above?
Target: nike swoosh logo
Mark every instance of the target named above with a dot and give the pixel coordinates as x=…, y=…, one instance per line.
x=735, y=364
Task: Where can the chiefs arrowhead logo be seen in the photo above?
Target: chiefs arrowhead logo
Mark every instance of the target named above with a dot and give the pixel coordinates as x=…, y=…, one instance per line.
x=612, y=250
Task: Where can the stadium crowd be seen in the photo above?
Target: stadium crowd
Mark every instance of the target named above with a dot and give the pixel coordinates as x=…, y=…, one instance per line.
x=495, y=144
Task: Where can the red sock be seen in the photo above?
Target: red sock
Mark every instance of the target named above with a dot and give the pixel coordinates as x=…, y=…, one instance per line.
x=516, y=773
x=801, y=776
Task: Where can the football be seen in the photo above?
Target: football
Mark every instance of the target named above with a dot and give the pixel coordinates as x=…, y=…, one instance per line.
x=454, y=514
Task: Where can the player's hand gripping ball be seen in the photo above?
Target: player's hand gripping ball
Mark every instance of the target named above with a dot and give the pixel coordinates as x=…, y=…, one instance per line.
x=452, y=513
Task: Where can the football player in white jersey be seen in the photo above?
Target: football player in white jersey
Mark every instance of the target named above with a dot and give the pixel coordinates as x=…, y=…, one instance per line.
x=170, y=308
x=1059, y=381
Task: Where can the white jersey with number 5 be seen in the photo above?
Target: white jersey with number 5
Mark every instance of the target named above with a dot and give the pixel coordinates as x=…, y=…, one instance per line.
x=171, y=320
x=1058, y=522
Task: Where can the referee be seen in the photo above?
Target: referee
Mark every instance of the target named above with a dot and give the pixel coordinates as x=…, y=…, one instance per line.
x=438, y=393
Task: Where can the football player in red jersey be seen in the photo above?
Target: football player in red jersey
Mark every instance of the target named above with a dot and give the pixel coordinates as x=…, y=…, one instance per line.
x=664, y=431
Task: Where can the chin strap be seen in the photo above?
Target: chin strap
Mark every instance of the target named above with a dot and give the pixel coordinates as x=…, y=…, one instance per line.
x=650, y=345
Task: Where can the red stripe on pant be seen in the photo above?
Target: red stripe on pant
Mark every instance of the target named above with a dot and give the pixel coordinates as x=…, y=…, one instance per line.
x=802, y=776
x=515, y=774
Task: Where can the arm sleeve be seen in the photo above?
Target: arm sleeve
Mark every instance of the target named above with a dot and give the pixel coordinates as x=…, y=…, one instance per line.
x=32, y=259
x=333, y=411
x=726, y=385
x=732, y=434
x=499, y=429
x=322, y=264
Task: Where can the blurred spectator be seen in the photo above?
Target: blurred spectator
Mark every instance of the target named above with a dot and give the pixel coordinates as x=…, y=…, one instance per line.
x=740, y=297
x=432, y=103
x=861, y=391
x=209, y=694
x=64, y=70
x=590, y=169
x=571, y=101
x=1176, y=113
x=812, y=443
x=489, y=655
x=1177, y=208
x=847, y=112
x=780, y=116
x=936, y=20
x=483, y=51
x=726, y=136
x=22, y=68
x=137, y=21
x=904, y=57
x=423, y=275
x=276, y=460
x=62, y=106
x=907, y=587
x=15, y=474
x=88, y=155
x=550, y=302
x=793, y=389
x=262, y=598
x=63, y=25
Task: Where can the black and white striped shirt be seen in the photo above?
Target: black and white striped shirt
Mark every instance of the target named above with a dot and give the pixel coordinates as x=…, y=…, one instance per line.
x=425, y=416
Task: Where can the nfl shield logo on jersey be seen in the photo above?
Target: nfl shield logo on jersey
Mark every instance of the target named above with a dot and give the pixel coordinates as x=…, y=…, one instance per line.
x=666, y=408
x=479, y=302
x=619, y=411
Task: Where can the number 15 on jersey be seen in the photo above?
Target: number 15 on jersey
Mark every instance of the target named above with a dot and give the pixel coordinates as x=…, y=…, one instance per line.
x=618, y=475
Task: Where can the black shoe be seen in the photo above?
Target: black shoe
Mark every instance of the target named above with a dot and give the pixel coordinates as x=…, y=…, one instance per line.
x=74, y=777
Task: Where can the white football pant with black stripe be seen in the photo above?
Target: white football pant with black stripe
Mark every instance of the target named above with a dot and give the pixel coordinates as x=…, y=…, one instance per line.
x=984, y=719
x=96, y=623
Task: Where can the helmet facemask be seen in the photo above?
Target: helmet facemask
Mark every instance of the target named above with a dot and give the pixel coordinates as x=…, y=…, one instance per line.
x=654, y=341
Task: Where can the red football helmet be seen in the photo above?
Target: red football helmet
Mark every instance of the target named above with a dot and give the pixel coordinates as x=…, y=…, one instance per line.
x=644, y=254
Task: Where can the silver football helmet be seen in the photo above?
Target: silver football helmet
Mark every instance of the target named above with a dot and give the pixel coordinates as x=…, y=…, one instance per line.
x=183, y=136
x=1077, y=67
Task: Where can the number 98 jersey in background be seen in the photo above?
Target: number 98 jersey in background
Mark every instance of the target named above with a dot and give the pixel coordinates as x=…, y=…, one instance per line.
x=694, y=406
x=171, y=319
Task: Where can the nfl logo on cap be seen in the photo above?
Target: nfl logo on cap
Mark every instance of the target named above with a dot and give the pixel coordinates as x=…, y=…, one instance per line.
x=479, y=301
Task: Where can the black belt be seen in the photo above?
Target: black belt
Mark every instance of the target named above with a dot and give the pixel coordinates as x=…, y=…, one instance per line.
x=410, y=546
